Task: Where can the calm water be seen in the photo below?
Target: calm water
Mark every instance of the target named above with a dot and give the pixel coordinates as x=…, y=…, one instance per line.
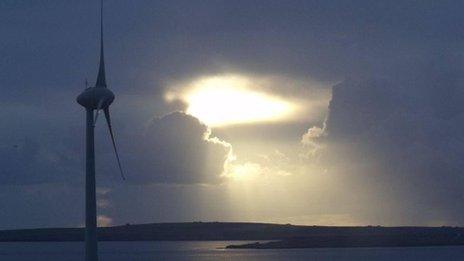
x=140, y=251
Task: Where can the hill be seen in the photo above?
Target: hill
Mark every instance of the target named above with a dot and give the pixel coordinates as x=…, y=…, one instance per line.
x=287, y=236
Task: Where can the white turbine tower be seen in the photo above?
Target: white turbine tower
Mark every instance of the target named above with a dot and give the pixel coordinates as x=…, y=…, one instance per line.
x=94, y=100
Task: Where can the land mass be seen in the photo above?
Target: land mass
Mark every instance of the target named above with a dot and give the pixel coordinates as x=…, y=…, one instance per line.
x=280, y=236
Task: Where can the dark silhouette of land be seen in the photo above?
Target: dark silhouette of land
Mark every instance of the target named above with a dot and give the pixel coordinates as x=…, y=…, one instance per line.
x=282, y=236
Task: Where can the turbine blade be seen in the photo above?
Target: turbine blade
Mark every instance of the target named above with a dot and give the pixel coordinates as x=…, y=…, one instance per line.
x=101, y=79
x=108, y=121
x=97, y=113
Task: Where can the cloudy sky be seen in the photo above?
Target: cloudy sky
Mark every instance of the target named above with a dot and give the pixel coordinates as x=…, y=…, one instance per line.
x=303, y=112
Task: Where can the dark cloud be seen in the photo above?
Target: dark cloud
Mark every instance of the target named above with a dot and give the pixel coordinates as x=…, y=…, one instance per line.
x=399, y=138
x=177, y=148
x=148, y=42
x=401, y=144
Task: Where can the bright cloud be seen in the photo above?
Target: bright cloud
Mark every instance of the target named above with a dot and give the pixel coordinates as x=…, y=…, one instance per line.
x=235, y=99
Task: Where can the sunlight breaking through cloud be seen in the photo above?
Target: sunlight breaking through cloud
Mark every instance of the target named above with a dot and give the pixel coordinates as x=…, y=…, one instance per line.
x=231, y=99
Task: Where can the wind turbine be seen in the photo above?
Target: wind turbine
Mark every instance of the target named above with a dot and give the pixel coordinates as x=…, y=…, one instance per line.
x=94, y=100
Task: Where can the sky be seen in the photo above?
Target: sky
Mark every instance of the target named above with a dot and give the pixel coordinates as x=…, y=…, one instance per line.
x=302, y=112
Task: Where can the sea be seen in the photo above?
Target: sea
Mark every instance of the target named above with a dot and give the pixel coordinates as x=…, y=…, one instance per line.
x=214, y=250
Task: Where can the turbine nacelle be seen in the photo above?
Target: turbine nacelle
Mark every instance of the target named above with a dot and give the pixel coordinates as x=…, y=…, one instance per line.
x=95, y=98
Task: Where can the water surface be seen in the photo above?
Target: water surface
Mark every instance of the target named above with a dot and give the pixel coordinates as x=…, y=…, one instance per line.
x=214, y=250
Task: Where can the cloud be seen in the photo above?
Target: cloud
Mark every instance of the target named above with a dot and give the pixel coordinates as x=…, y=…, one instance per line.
x=395, y=142
x=263, y=99
x=247, y=170
x=312, y=141
x=177, y=148
x=312, y=133
x=401, y=146
x=257, y=169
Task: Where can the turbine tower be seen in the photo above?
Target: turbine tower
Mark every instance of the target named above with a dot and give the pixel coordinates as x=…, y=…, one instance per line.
x=94, y=100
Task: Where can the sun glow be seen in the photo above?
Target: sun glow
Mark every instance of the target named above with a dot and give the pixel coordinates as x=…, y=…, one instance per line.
x=227, y=100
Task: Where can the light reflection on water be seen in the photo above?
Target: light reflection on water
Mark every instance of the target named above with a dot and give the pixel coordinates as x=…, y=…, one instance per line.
x=214, y=250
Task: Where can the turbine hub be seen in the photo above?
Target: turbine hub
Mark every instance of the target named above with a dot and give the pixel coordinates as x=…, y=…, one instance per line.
x=95, y=98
